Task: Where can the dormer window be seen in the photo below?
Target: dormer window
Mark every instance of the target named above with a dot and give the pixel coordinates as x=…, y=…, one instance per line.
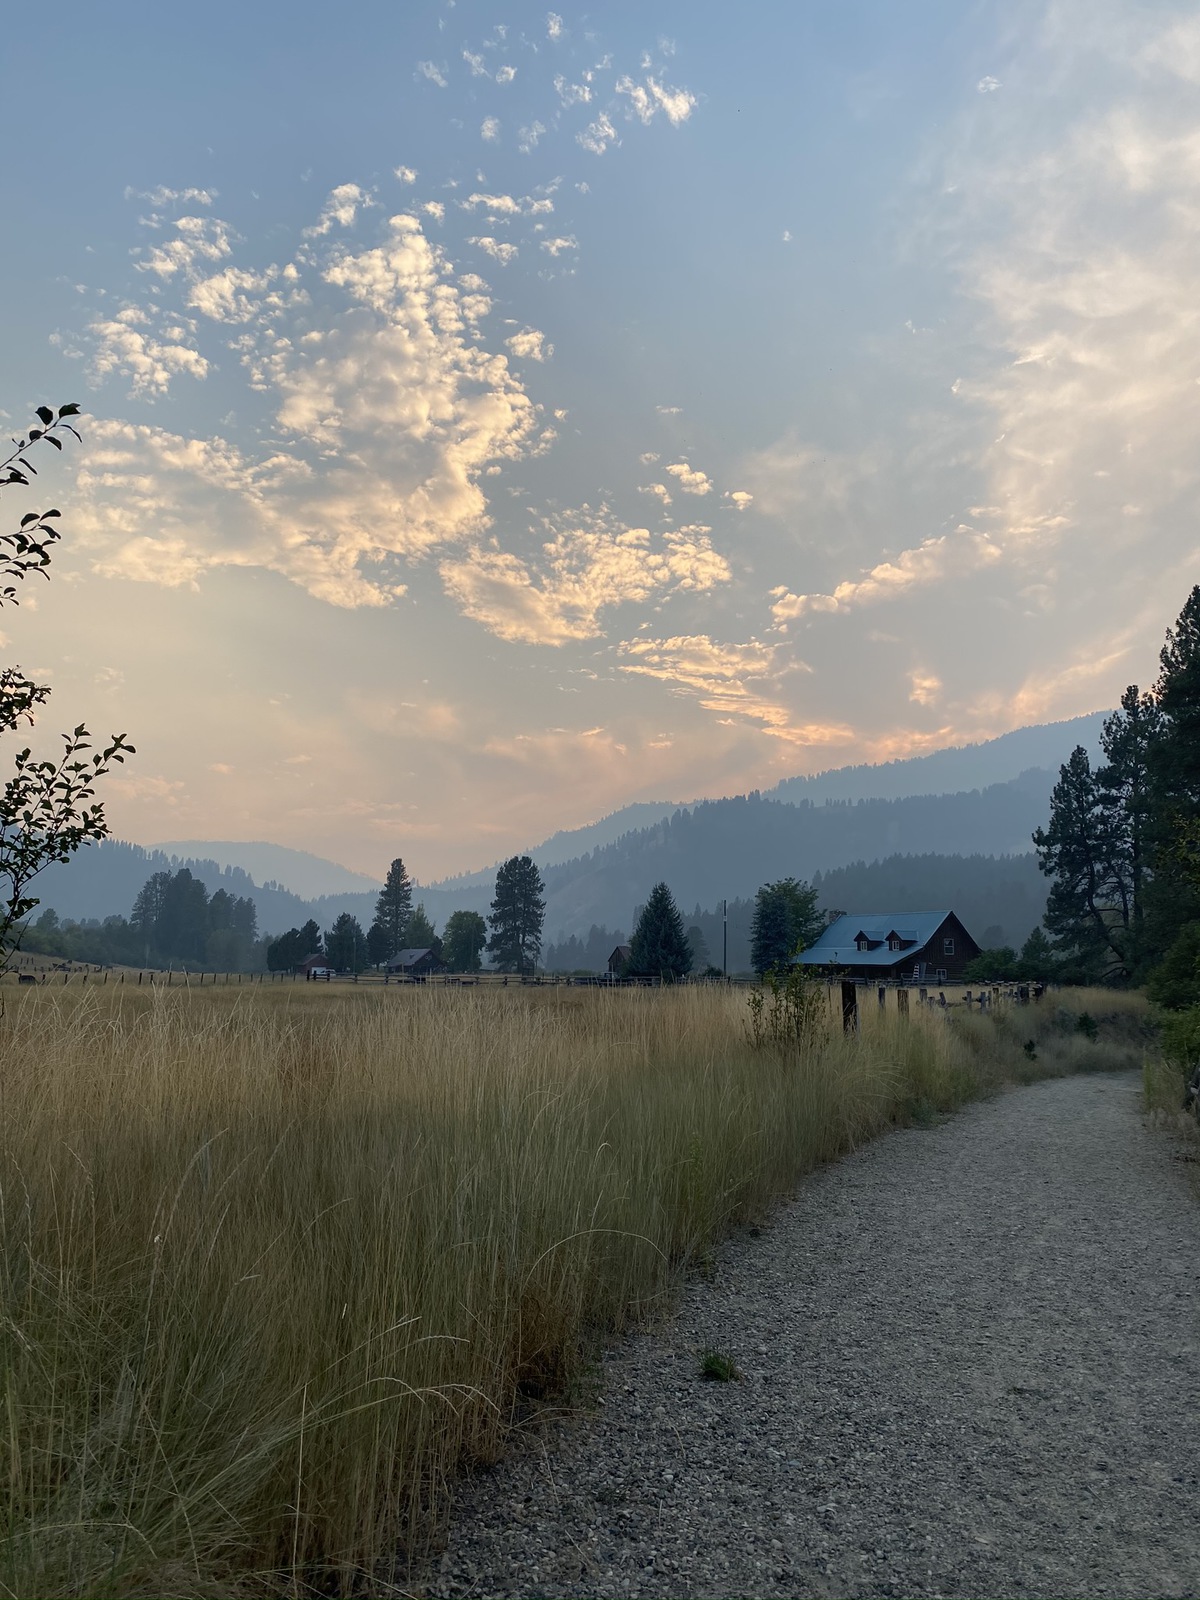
x=862, y=942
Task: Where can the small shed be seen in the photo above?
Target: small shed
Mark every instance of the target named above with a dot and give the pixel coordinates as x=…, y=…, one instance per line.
x=619, y=961
x=412, y=963
x=314, y=966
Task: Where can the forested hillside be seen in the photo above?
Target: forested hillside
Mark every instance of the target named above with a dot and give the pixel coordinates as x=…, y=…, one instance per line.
x=718, y=849
x=999, y=899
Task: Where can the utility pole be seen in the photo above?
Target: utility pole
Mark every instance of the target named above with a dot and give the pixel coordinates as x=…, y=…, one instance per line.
x=725, y=938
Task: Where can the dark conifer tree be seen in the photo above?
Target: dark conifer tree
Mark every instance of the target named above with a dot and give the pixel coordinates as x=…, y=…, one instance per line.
x=518, y=911
x=1082, y=850
x=393, y=910
x=659, y=947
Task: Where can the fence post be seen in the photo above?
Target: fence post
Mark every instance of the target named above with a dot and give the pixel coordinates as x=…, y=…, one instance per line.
x=901, y=1002
x=882, y=997
x=849, y=1007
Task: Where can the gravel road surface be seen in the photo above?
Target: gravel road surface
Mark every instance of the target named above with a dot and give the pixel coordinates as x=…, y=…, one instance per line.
x=971, y=1366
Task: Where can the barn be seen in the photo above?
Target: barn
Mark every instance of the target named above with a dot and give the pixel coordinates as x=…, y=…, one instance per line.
x=413, y=963
x=899, y=946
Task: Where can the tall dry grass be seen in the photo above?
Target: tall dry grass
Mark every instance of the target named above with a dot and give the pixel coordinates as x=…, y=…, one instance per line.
x=276, y=1263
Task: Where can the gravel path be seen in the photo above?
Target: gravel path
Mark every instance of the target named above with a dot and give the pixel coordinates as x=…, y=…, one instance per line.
x=970, y=1359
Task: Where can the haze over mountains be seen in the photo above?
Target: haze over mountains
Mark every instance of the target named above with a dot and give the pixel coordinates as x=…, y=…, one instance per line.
x=911, y=818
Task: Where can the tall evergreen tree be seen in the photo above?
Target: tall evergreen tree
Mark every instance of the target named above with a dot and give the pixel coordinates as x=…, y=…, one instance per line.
x=1088, y=908
x=346, y=944
x=1130, y=740
x=659, y=947
x=698, y=945
x=518, y=911
x=421, y=933
x=1176, y=759
x=393, y=910
x=377, y=945
x=786, y=921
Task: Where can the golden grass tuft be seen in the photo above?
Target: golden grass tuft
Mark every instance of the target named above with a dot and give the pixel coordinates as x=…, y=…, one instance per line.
x=276, y=1263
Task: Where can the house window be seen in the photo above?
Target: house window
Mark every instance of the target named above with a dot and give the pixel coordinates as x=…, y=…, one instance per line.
x=863, y=944
x=947, y=947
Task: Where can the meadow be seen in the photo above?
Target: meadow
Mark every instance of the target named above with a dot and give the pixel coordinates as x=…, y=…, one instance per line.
x=278, y=1263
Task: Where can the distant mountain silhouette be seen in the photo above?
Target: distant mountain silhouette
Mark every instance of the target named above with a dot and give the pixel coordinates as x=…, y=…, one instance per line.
x=302, y=873
x=950, y=771
x=968, y=766
x=707, y=851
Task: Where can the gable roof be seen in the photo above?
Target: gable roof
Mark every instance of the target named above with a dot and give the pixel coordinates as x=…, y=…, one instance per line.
x=408, y=958
x=837, y=942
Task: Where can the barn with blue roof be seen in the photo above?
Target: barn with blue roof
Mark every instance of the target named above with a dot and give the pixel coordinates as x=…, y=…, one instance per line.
x=900, y=946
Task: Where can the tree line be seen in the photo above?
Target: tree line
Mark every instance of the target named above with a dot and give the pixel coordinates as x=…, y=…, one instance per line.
x=1122, y=845
x=174, y=922
x=511, y=935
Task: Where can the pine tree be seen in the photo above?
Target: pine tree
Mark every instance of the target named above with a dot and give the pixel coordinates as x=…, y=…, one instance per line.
x=377, y=944
x=421, y=933
x=698, y=945
x=786, y=921
x=659, y=947
x=393, y=909
x=1088, y=907
x=516, y=917
x=1130, y=741
x=1176, y=760
x=346, y=945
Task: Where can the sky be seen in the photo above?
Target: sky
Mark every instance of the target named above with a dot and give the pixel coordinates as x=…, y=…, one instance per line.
x=495, y=415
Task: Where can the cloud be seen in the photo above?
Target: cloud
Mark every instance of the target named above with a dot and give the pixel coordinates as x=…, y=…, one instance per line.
x=499, y=251
x=587, y=567
x=489, y=129
x=554, y=25
x=669, y=411
x=148, y=362
x=163, y=196
x=506, y=74
x=691, y=480
x=387, y=412
x=496, y=205
x=405, y=174
x=527, y=138
x=647, y=99
x=530, y=345
x=1069, y=216
x=739, y=498
x=198, y=239
x=931, y=562
x=571, y=94
x=598, y=135
x=555, y=247
x=476, y=64
x=737, y=682
x=988, y=85
x=229, y=296
x=434, y=74
x=660, y=490
x=340, y=209
x=926, y=688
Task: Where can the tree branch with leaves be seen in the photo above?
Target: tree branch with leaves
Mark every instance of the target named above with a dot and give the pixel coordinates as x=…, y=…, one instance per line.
x=48, y=808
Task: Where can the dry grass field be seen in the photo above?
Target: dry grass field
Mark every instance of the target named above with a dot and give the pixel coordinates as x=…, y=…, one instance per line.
x=277, y=1261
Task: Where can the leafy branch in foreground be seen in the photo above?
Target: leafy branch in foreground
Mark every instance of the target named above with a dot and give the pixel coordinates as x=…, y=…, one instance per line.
x=48, y=809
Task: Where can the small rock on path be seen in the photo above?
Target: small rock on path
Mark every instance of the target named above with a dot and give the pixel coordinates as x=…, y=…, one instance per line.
x=971, y=1360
